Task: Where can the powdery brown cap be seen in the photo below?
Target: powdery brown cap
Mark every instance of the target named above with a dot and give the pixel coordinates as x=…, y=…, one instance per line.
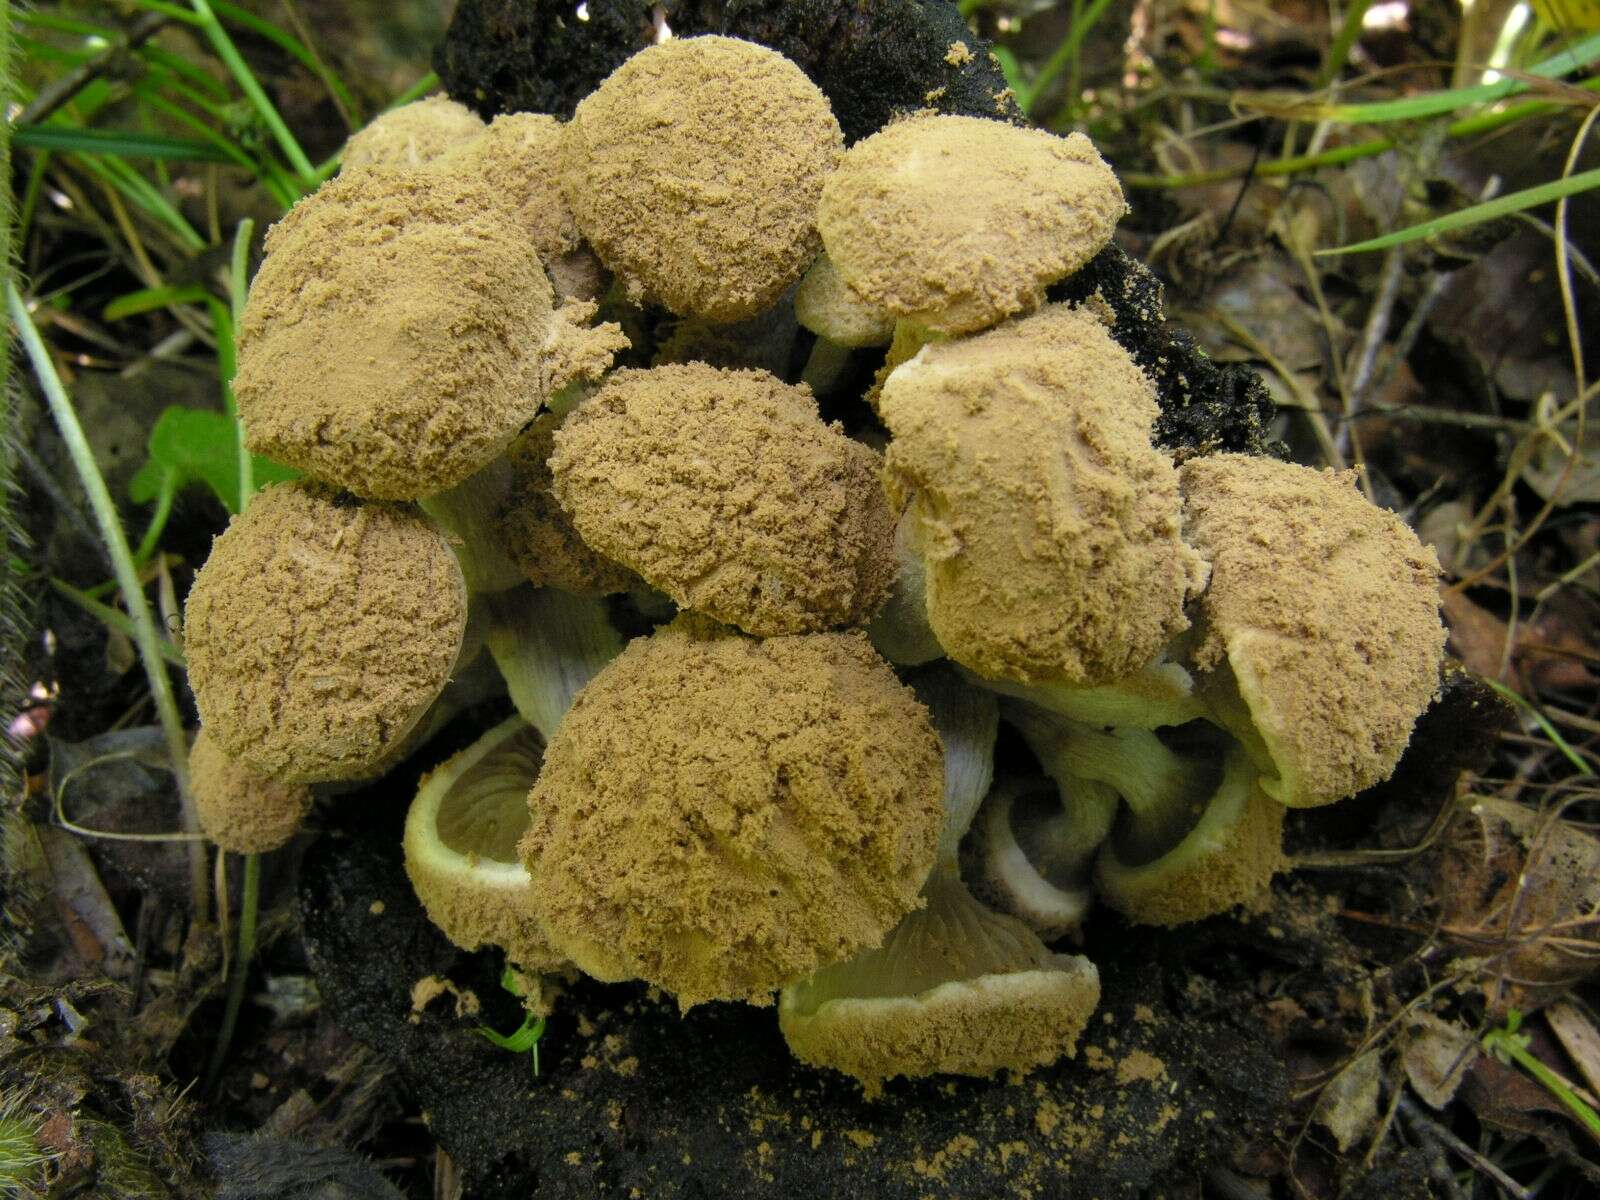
x=725, y=490
x=393, y=338
x=1048, y=525
x=1326, y=608
x=694, y=171
x=319, y=630
x=239, y=810
x=721, y=815
x=519, y=156
x=538, y=535
x=828, y=309
x=411, y=135
x=956, y=223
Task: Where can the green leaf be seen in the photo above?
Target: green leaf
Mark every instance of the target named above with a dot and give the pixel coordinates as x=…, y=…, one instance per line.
x=1478, y=213
x=192, y=445
x=118, y=143
x=146, y=300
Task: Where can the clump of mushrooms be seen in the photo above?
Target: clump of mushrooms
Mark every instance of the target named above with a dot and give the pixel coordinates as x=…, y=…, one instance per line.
x=750, y=799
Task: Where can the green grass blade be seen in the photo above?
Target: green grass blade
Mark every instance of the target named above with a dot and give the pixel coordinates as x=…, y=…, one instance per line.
x=1064, y=54
x=141, y=192
x=114, y=618
x=1476, y=214
x=149, y=299
x=117, y=142
x=238, y=284
x=251, y=86
x=291, y=46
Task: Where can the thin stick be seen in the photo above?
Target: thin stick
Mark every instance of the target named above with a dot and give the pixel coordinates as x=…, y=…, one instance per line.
x=249, y=903
x=1437, y=1131
x=146, y=636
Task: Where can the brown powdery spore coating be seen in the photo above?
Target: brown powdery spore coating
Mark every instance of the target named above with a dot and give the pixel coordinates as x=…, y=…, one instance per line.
x=1048, y=525
x=392, y=340
x=519, y=156
x=694, y=171
x=538, y=535
x=239, y=810
x=827, y=308
x=721, y=815
x=319, y=630
x=725, y=490
x=1327, y=609
x=411, y=135
x=956, y=223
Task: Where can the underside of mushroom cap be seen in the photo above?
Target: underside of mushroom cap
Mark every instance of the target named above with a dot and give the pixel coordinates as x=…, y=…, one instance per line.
x=411, y=135
x=394, y=336
x=239, y=810
x=694, y=171
x=725, y=490
x=461, y=846
x=954, y=989
x=1048, y=524
x=1227, y=858
x=319, y=630
x=721, y=816
x=956, y=223
x=1320, y=626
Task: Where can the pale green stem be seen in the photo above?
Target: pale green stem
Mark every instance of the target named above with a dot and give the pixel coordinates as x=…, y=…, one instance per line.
x=237, y=284
x=146, y=636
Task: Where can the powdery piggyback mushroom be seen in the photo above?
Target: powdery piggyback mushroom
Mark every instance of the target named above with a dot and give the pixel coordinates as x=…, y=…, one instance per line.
x=1047, y=523
x=400, y=332
x=319, y=631
x=411, y=135
x=694, y=171
x=956, y=223
x=725, y=490
x=720, y=815
x=1320, y=626
x=240, y=810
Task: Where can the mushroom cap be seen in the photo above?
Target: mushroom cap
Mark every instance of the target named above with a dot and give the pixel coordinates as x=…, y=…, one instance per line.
x=694, y=171
x=411, y=135
x=1326, y=610
x=721, y=816
x=1047, y=523
x=461, y=846
x=319, y=630
x=725, y=490
x=1229, y=856
x=955, y=223
x=240, y=810
x=392, y=342
x=955, y=988
x=538, y=535
x=828, y=309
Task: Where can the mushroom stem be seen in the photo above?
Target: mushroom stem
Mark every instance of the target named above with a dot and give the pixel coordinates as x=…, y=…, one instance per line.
x=900, y=632
x=548, y=644
x=825, y=366
x=967, y=720
x=469, y=512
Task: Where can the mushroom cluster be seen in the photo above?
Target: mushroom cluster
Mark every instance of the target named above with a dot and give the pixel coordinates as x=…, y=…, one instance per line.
x=549, y=381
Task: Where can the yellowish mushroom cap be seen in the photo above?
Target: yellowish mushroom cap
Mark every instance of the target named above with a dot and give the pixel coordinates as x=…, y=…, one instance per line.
x=461, y=846
x=828, y=309
x=1321, y=623
x=1047, y=523
x=725, y=490
x=519, y=156
x=240, y=810
x=319, y=630
x=955, y=223
x=394, y=338
x=955, y=989
x=721, y=816
x=411, y=135
x=694, y=171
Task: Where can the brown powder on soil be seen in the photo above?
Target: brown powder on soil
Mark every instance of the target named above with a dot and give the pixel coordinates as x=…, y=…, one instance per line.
x=1327, y=609
x=537, y=533
x=240, y=810
x=319, y=630
x=694, y=171
x=1140, y=1066
x=959, y=54
x=393, y=337
x=1047, y=523
x=430, y=987
x=956, y=223
x=721, y=816
x=411, y=135
x=725, y=490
